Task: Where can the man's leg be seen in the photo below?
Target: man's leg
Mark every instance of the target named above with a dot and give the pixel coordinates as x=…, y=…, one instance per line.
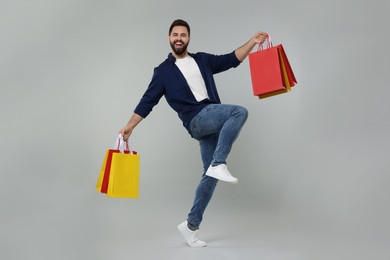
x=207, y=184
x=203, y=194
x=228, y=134
x=224, y=120
x=216, y=127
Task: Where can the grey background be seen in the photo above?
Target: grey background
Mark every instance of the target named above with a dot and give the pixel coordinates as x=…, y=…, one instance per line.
x=313, y=164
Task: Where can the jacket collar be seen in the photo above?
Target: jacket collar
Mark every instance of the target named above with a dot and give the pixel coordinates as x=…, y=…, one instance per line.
x=172, y=58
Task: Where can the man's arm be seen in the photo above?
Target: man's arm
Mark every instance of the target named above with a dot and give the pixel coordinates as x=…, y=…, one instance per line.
x=150, y=98
x=244, y=50
x=128, y=129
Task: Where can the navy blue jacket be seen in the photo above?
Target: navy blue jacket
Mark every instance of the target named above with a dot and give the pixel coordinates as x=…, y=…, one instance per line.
x=168, y=81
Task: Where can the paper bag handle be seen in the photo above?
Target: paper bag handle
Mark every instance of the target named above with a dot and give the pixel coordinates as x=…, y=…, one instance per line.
x=119, y=143
x=268, y=41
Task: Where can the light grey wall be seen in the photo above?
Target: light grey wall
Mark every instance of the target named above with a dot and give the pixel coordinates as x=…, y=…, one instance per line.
x=313, y=164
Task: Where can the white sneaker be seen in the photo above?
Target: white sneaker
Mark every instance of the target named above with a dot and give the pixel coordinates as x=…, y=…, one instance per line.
x=190, y=236
x=221, y=172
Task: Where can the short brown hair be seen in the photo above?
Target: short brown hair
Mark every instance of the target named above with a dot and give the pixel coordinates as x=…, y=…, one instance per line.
x=179, y=22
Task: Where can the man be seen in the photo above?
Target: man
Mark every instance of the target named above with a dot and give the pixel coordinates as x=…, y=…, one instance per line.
x=186, y=80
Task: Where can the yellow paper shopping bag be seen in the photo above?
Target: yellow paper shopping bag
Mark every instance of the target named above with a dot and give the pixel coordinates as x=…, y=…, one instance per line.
x=119, y=174
x=124, y=176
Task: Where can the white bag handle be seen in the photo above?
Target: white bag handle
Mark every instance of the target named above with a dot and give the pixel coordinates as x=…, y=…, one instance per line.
x=268, y=41
x=119, y=144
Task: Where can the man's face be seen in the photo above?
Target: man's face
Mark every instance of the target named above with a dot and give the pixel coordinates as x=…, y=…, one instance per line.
x=179, y=40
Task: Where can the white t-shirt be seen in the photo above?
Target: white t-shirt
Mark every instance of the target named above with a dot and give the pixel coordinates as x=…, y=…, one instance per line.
x=190, y=70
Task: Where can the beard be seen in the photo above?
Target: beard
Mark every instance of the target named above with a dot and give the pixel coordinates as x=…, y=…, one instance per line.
x=179, y=50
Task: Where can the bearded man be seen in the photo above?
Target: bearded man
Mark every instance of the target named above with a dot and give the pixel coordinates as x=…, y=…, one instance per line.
x=186, y=80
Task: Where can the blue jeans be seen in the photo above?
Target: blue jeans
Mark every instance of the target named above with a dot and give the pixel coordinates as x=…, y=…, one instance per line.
x=216, y=127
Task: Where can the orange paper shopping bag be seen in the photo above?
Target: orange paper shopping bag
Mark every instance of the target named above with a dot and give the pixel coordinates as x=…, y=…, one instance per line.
x=271, y=72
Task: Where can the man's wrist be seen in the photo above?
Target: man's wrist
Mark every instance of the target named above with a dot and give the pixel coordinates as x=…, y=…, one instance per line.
x=130, y=126
x=254, y=41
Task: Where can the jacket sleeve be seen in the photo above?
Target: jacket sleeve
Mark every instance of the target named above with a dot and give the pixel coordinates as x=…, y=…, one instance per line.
x=152, y=95
x=220, y=63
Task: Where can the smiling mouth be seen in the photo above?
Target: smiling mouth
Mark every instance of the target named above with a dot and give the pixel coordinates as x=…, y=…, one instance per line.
x=179, y=44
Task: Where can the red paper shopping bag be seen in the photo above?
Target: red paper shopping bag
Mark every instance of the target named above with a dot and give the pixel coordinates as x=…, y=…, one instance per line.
x=271, y=72
x=104, y=176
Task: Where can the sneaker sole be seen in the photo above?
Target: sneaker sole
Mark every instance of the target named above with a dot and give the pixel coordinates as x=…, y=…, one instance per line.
x=221, y=179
